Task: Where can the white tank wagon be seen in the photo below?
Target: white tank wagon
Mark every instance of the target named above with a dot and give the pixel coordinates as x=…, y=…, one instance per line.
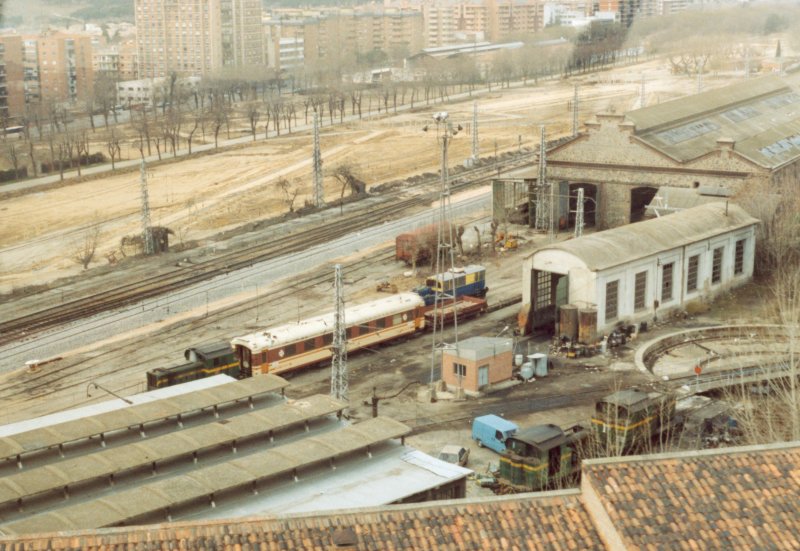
x=308, y=342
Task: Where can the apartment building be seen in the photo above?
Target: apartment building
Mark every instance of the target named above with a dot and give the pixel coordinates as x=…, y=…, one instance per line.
x=64, y=66
x=197, y=37
x=331, y=35
x=12, y=77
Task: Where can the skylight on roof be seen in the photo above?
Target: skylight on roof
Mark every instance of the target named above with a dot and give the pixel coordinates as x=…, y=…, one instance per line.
x=687, y=132
x=740, y=114
x=777, y=102
x=781, y=146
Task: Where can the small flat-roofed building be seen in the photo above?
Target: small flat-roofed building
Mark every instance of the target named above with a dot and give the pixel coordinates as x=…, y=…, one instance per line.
x=478, y=362
x=641, y=271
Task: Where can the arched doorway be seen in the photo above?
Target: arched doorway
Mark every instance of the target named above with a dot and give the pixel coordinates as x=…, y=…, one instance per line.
x=640, y=198
x=589, y=204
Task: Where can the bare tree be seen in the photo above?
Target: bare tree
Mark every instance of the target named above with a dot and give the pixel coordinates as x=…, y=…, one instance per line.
x=82, y=149
x=113, y=147
x=253, y=116
x=84, y=249
x=345, y=174
x=14, y=158
x=289, y=193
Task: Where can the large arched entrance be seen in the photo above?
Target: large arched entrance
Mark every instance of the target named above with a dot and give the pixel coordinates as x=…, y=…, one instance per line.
x=640, y=198
x=589, y=204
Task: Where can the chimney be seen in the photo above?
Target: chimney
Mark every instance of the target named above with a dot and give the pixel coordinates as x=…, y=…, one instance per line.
x=344, y=539
x=725, y=143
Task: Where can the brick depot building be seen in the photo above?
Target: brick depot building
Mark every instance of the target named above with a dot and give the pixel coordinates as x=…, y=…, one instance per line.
x=746, y=135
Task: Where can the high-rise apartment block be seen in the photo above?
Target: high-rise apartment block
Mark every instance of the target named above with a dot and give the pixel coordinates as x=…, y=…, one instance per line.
x=337, y=35
x=12, y=75
x=197, y=37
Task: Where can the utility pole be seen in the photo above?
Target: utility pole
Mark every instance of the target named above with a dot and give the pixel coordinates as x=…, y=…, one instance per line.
x=575, y=112
x=642, y=101
x=319, y=193
x=475, y=150
x=445, y=249
x=339, y=345
x=699, y=78
x=747, y=62
x=147, y=234
x=579, y=214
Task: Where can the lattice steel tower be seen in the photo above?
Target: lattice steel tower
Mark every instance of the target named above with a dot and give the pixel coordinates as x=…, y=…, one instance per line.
x=445, y=250
x=579, y=214
x=147, y=235
x=319, y=192
x=542, y=189
x=339, y=345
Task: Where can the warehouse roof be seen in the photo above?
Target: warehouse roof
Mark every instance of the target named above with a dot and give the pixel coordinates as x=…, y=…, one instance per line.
x=136, y=415
x=728, y=498
x=761, y=117
x=617, y=246
x=202, y=483
x=167, y=447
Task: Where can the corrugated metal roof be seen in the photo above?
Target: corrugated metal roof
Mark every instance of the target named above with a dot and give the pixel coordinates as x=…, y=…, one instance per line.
x=135, y=415
x=617, y=246
x=159, y=495
x=354, y=315
x=162, y=448
x=761, y=116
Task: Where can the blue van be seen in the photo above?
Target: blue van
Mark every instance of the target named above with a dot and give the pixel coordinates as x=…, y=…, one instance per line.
x=492, y=431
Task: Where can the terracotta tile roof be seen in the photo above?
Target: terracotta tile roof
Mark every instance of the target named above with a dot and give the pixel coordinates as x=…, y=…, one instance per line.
x=741, y=498
x=551, y=521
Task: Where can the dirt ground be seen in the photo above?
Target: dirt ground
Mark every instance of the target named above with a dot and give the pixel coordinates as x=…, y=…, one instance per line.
x=206, y=195
x=201, y=197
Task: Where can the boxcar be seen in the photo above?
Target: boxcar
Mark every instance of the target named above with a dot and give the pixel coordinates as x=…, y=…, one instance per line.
x=628, y=419
x=308, y=342
x=204, y=361
x=541, y=457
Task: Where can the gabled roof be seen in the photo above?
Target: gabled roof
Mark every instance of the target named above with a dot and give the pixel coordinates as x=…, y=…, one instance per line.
x=760, y=117
x=735, y=498
x=720, y=499
x=609, y=248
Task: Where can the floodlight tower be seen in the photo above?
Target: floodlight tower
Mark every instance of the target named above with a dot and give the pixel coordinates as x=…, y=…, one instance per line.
x=319, y=193
x=147, y=235
x=339, y=345
x=445, y=250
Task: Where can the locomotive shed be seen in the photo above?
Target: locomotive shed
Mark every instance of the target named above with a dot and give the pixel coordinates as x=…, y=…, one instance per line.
x=216, y=447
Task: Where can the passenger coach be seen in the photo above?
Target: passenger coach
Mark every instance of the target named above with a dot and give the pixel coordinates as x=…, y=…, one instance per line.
x=308, y=342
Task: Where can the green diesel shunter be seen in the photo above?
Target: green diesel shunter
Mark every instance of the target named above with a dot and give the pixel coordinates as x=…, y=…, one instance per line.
x=630, y=419
x=541, y=457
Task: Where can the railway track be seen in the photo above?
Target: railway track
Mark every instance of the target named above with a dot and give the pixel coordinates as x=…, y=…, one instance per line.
x=73, y=377
x=392, y=206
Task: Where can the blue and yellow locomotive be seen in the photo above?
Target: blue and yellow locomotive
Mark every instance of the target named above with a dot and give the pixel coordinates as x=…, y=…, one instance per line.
x=469, y=280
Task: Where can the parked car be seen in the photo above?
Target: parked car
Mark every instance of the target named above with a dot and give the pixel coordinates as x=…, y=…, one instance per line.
x=455, y=454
